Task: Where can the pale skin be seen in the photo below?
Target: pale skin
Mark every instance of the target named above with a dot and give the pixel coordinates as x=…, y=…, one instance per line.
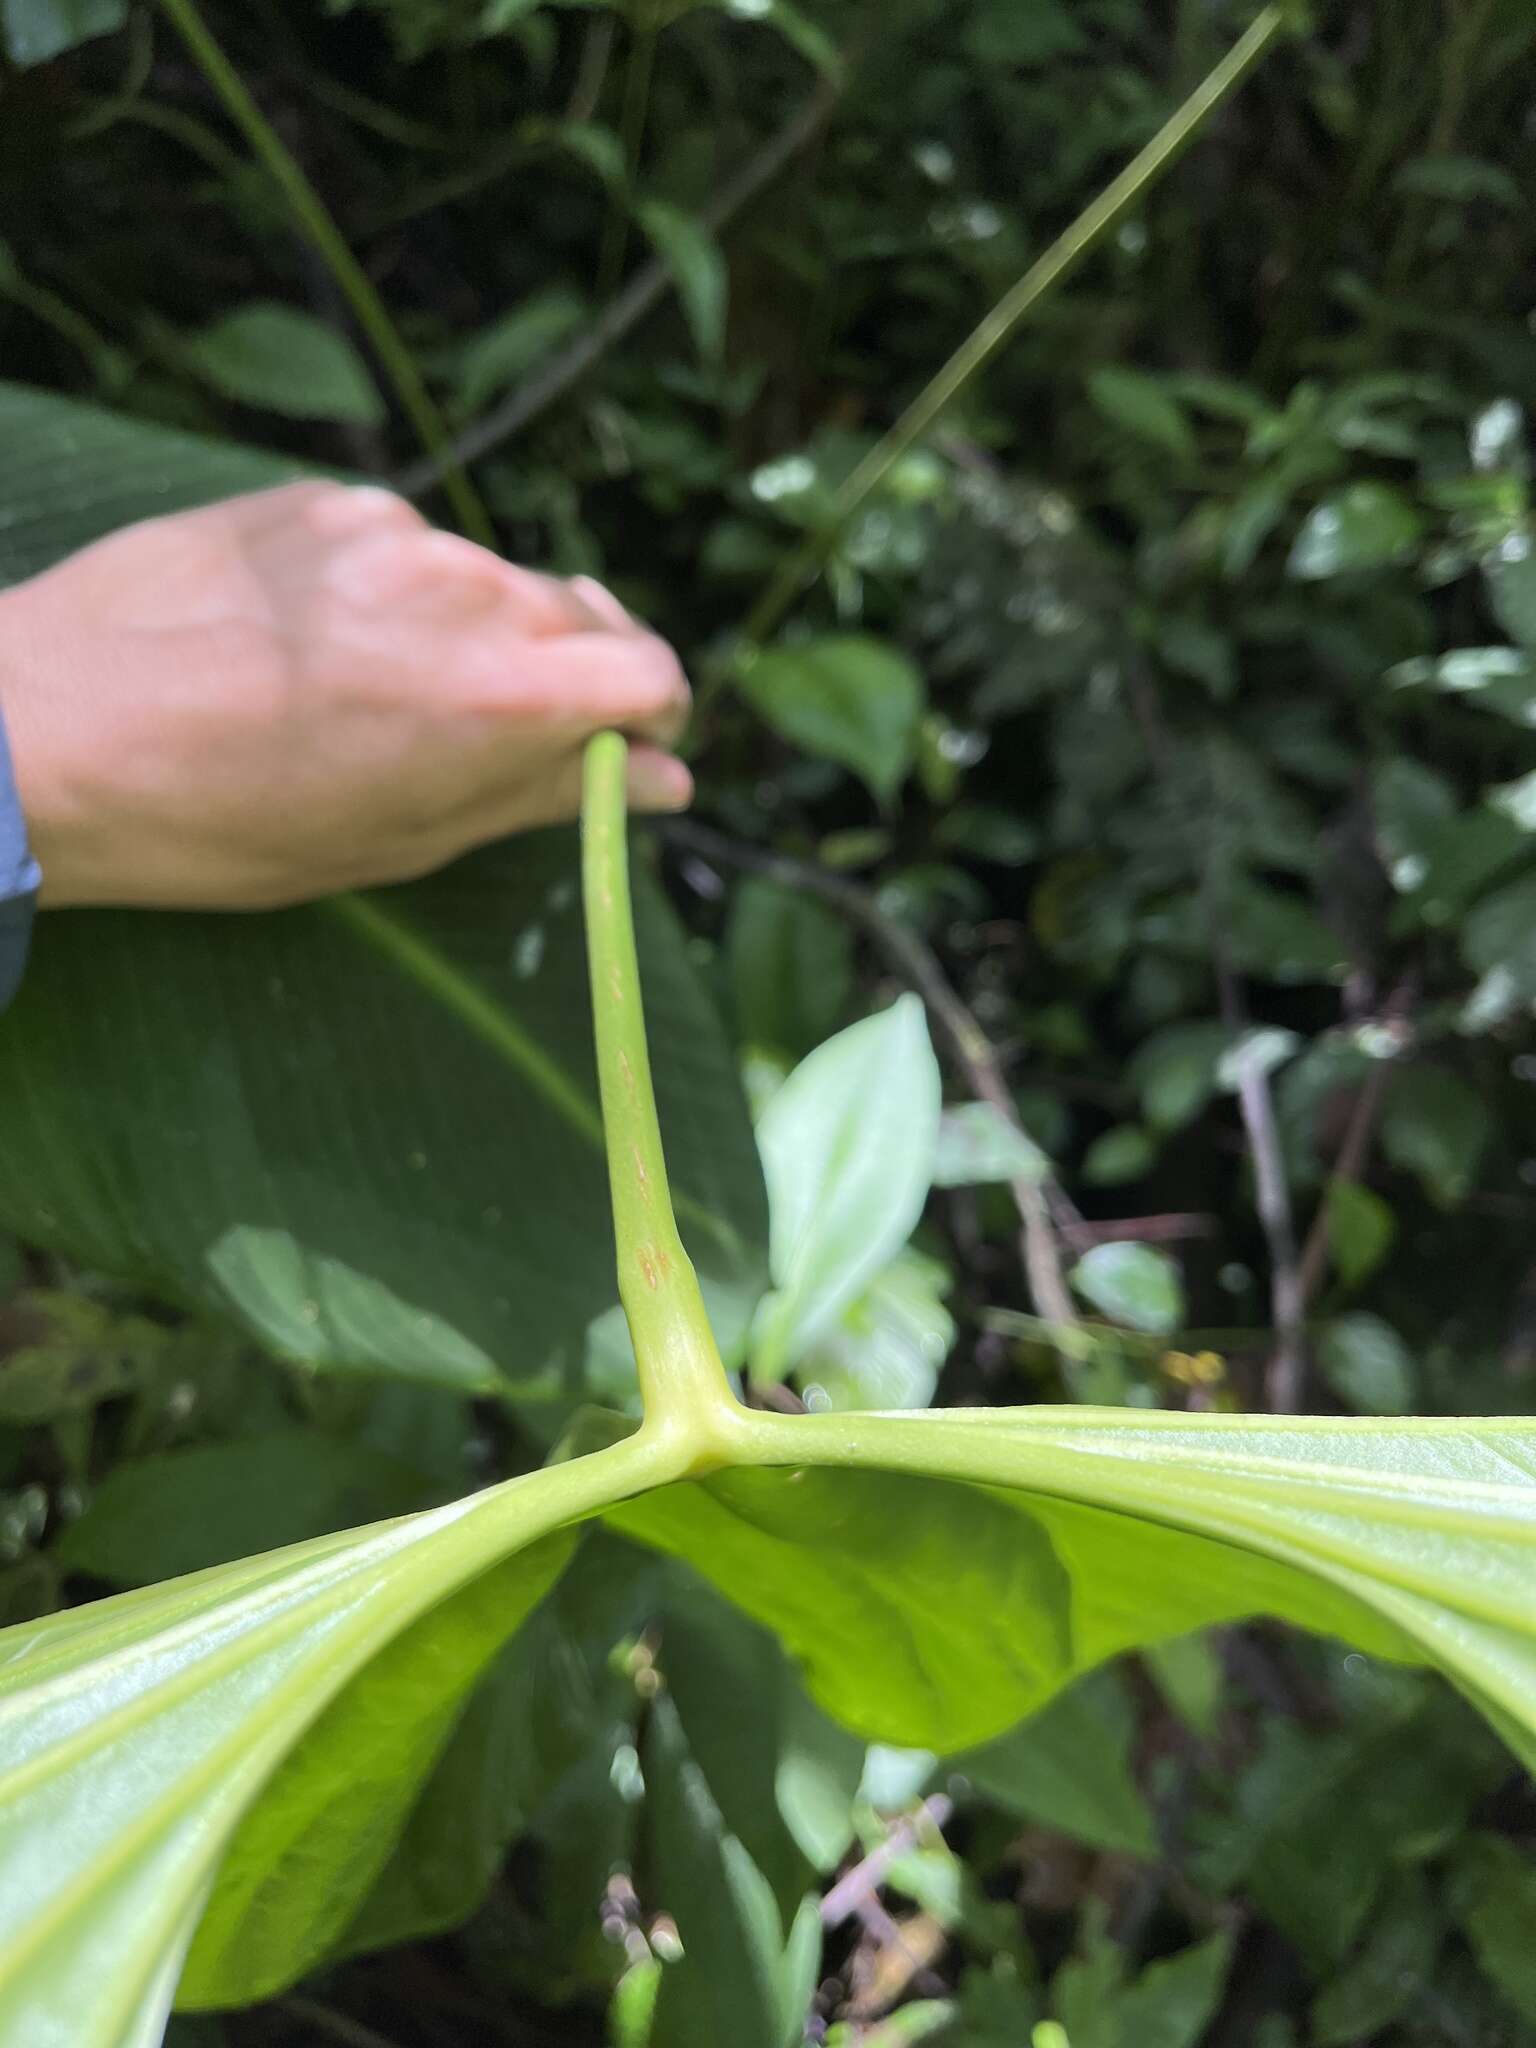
x=306, y=690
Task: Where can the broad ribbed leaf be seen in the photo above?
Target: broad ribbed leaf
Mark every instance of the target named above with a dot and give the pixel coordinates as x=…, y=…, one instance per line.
x=936, y=1575
x=136, y=1733
x=936, y=1615
x=1412, y=1538
x=367, y=1129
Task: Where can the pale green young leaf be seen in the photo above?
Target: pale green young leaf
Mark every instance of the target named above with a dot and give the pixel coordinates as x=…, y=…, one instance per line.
x=847, y=1145
x=1132, y=1284
x=977, y=1144
x=889, y=1344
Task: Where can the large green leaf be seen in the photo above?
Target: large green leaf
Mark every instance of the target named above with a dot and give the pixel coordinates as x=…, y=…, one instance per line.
x=931, y=1603
x=136, y=1733
x=367, y=1129
x=74, y=472
x=936, y=1616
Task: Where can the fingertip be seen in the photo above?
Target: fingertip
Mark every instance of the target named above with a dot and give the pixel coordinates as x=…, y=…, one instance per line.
x=603, y=605
x=658, y=781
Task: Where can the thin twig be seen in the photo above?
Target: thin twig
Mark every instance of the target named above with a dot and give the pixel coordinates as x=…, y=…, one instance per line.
x=859, y=1885
x=1064, y=255
x=1348, y=1166
x=974, y=1054
x=339, y=2025
x=1169, y=1229
x=646, y=288
x=1397, y=1015
x=1285, y=1377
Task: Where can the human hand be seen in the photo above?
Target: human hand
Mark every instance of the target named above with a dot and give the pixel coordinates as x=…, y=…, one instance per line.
x=306, y=690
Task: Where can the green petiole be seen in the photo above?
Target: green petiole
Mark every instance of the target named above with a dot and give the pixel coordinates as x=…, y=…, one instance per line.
x=682, y=1381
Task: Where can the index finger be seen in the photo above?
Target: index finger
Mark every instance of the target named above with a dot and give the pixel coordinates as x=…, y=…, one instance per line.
x=591, y=680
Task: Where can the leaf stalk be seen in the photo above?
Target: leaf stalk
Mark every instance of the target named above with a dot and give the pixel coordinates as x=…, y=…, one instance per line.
x=682, y=1380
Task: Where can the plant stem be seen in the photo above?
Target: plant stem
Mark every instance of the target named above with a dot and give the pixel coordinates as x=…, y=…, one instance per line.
x=682, y=1381
x=638, y=74
x=340, y=2026
x=309, y=210
x=1285, y=1377
x=1058, y=262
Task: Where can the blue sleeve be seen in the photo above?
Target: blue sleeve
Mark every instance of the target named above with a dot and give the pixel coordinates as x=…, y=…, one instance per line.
x=19, y=879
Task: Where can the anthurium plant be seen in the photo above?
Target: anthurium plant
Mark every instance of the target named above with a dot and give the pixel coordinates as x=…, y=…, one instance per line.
x=202, y=1781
